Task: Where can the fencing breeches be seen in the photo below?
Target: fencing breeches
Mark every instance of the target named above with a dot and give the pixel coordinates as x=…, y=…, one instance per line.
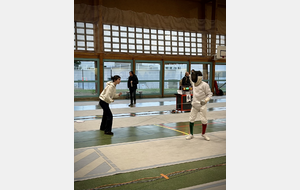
x=195, y=111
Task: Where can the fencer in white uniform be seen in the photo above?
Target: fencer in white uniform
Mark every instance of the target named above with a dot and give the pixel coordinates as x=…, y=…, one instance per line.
x=201, y=95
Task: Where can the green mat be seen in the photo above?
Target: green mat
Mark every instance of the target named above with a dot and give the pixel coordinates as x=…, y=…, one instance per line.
x=183, y=176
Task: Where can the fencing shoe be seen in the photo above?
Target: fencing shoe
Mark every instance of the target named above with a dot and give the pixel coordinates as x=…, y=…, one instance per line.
x=189, y=137
x=205, y=137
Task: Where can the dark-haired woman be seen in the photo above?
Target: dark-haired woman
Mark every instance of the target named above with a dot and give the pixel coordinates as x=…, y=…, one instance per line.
x=132, y=85
x=107, y=96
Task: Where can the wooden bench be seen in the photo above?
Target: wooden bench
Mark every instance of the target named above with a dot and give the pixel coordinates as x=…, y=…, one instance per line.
x=140, y=92
x=137, y=92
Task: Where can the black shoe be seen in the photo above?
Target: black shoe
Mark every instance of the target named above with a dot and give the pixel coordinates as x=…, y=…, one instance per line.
x=130, y=105
x=109, y=133
x=134, y=102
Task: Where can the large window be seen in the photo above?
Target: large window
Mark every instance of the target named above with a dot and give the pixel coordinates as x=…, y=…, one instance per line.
x=220, y=76
x=151, y=41
x=174, y=72
x=208, y=46
x=205, y=70
x=149, y=75
x=83, y=36
x=85, y=77
x=119, y=67
x=220, y=41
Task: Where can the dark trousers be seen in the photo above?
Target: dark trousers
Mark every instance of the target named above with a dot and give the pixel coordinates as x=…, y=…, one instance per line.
x=107, y=117
x=132, y=93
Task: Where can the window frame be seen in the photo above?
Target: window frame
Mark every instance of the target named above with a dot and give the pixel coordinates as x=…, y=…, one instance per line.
x=220, y=63
x=116, y=60
x=162, y=42
x=175, y=62
x=160, y=76
x=218, y=37
x=208, y=43
x=96, y=81
x=210, y=71
x=85, y=40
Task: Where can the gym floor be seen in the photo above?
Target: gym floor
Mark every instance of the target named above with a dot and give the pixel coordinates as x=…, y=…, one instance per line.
x=149, y=142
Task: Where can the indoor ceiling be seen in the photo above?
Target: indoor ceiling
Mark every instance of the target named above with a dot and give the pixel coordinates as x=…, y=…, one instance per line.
x=221, y=3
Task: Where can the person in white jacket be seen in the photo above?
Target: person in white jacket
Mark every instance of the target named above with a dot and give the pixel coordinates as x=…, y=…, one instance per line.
x=106, y=97
x=201, y=95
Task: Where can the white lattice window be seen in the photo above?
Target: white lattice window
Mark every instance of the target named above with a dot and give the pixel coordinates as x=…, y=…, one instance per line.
x=208, y=46
x=220, y=41
x=151, y=41
x=84, y=36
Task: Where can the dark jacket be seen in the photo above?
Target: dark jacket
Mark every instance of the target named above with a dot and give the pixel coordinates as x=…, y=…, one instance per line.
x=134, y=80
x=186, y=81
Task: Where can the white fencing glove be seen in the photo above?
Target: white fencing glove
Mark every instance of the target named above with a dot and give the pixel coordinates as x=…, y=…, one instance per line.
x=203, y=102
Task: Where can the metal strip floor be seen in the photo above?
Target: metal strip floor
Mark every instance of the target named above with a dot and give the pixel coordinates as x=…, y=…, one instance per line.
x=112, y=159
x=145, y=137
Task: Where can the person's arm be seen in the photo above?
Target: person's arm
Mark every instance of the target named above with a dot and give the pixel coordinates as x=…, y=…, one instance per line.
x=208, y=94
x=117, y=95
x=136, y=80
x=180, y=82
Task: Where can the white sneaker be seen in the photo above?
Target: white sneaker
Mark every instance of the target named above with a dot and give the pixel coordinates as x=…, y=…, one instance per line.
x=206, y=137
x=189, y=137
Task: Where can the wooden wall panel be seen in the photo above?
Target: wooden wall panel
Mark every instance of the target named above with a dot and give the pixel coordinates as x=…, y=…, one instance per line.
x=175, y=8
x=84, y=11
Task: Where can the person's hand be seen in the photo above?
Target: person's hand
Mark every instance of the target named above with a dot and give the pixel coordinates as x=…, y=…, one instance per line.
x=120, y=93
x=203, y=102
x=131, y=81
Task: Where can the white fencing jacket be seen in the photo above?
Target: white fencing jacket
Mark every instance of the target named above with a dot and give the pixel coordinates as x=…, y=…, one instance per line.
x=201, y=91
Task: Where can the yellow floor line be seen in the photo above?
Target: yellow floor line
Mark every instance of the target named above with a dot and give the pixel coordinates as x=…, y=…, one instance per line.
x=159, y=125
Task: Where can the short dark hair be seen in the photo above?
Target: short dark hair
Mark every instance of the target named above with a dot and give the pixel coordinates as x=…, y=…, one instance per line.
x=114, y=78
x=131, y=72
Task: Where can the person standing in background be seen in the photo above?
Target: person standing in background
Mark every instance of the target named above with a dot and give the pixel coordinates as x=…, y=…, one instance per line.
x=185, y=81
x=132, y=85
